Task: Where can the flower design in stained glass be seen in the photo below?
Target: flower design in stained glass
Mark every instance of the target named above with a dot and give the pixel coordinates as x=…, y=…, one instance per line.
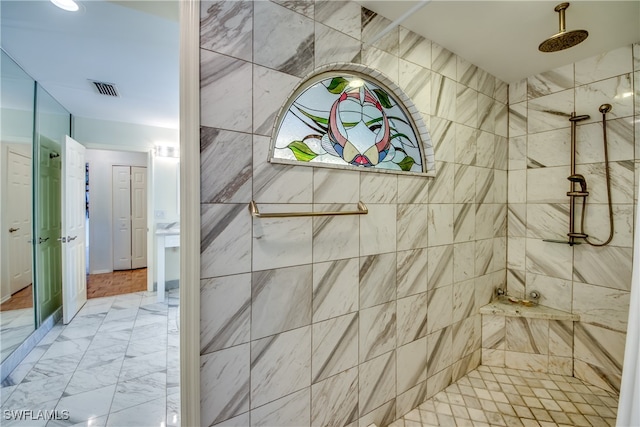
x=351, y=121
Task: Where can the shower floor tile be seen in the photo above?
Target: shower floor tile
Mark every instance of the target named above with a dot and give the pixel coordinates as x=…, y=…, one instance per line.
x=490, y=396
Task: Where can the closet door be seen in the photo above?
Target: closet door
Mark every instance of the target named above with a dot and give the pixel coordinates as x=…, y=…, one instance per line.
x=121, y=208
x=138, y=217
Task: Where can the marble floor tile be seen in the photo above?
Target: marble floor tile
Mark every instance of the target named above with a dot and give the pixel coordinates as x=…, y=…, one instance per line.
x=107, y=367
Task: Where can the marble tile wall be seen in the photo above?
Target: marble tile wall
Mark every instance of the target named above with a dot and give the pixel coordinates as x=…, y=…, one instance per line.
x=340, y=320
x=593, y=282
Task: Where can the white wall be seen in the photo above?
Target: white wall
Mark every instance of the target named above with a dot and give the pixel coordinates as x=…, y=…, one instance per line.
x=100, y=194
x=96, y=133
x=166, y=204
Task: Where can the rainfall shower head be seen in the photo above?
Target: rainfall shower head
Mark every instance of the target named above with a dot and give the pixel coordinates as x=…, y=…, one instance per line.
x=579, y=179
x=564, y=39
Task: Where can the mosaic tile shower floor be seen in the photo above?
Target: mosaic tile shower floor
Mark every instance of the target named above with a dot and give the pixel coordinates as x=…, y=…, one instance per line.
x=490, y=396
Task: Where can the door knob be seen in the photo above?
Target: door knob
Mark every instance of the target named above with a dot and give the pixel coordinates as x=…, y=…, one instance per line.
x=62, y=239
x=11, y=230
x=71, y=238
x=41, y=240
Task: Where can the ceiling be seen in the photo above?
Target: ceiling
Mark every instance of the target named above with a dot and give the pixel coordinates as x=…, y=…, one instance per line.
x=502, y=37
x=135, y=45
x=132, y=44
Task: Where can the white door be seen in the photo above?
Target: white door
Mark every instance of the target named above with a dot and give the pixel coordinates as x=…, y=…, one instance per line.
x=121, y=217
x=19, y=220
x=138, y=217
x=74, y=279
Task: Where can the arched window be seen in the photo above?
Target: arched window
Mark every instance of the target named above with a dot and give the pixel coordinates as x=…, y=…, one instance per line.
x=342, y=116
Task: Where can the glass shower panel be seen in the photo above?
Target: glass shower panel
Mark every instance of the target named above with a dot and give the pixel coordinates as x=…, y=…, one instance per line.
x=52, y=123
x=16, y=216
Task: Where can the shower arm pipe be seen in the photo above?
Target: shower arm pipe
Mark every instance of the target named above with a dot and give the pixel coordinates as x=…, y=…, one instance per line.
x=397, y=22
x=253, y=209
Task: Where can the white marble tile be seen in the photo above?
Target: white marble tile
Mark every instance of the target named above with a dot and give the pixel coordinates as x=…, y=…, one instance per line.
x=372, y=25
x=466, y=106
x=486, y=82
x=561, y=365
x=465, y=144
x=303, y=7
x=225, y=239
x=282, y=242
x=32, y=394
x=549, y=259
x=598, y=228
x=440, y=224
x=589, y=141
x=551, y=148
x=547, y=185
x=335, y=347
x=335, y=186
x=334, y=401
x=411, y=361
x=501, y=92
x=607, y=266
x=464, y=184
x=493, y=332
x=382, y=61
x=415, y=81
x=335, y=237
x=153, y=413
x=440, y=308
x=280, y=365
x=225, y=167
x=225, y=312
x=138, y=366
x=549, y=221
x=99, y=357
x=439, y=350
x=526, y=335
x=280, y=300
x=285, y=48
x=411, y=226
x=526, y=361
x=493, y=357
x=441, y=189
x=411, y=272
x=382, y=415
x=241, y=420
x=333, y=46
x=377, y=333
x=549, y=82
x=500, y=192
x=485, y=185
x=219, y=76
x=226, y=27
x=64, y=346
x=289, y=411
x=377, y=382
x=54, y=367
x=411, y=399
x=464, y=222
x=617, y=91
x=377, y=279
x=413, y=189
x=443, y=96
x=94, y=377
x=266, y=101
x=412, y=318
x=464, y=302
x=599, y=346
x=224, y=384
x=517, y=186
x=518, y=119
x=550, y=111
x=467, y=73
x=517, y=219
x=599, y=305
x=606, y=65
x=518, y=91
x=483, y=257
x=636, y=56
x=415, y=48
x=440, y=266
x=443, y=135
x=486, y=113
x=443, y=61
x=554, y=293
x=378, y=188
x=485, y=150
x=466, y=337
x=138, y=391
x=560, y=338
x=463, y=261
x=378, y=230
x=335, y=288
x=343, y=16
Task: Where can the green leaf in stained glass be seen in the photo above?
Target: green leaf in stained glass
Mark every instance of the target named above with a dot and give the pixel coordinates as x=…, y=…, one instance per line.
x=302, y=151
x=406, y=164
x=317, y=119
x=383, y=97
x=337, y=85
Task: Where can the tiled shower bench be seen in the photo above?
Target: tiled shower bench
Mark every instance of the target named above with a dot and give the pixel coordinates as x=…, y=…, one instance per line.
x=535, y=338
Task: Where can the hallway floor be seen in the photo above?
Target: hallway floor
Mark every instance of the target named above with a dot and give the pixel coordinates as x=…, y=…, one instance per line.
x=490, y=396
x=115, y=364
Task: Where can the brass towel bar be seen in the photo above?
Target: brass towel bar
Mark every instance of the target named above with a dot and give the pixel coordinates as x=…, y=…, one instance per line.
x=253, y=208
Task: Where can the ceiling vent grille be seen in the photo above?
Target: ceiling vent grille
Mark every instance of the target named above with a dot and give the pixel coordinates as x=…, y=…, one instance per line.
x=108, y=89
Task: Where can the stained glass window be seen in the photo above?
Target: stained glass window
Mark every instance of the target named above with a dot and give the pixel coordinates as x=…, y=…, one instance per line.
x=349, y=120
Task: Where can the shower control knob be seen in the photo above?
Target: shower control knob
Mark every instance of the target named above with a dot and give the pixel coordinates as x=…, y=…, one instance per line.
x=534, y=295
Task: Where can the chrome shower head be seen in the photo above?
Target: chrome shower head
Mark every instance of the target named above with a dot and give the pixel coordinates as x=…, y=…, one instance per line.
x=579, y=179
x=563, y=39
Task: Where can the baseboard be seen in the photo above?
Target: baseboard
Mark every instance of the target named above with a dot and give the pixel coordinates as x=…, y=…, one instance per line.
x=5, y=299
x=101, y=271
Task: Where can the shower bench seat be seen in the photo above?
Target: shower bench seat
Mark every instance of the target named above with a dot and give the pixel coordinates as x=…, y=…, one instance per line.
x=536, y=338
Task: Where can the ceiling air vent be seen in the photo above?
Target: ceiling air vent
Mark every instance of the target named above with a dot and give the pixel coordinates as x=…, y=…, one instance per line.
x=103, y=88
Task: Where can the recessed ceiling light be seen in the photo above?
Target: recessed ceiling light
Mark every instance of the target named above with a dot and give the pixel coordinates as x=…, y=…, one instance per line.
x=68, y=5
